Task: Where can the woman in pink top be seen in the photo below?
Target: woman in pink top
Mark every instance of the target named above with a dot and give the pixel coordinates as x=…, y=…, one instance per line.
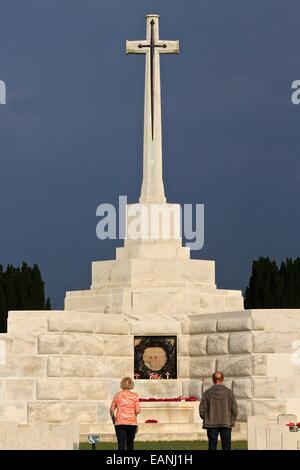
x=124, y=410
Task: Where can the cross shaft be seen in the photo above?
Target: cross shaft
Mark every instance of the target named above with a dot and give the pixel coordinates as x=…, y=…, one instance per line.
x=152, y=47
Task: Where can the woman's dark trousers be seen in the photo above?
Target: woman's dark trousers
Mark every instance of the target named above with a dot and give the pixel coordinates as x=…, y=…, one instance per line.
x=125, y=435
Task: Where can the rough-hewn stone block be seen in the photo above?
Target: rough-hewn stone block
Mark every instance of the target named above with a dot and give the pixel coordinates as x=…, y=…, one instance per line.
x=71, y=326
x=197, y=345
x=6, y=346
x=103, y=415
x=31, y=324
x=259, y=364
x=183, y=345
x=19, y=389
x=71, y=389
x=91, y=389
x=201, y=367
x=265, y=387
x=13, y=411
x=244, y=410
x=158, y=388
x=258, y=323
x=49, y=343
x=241, y=323
x=240, y=343
x=192, y=345
x=113, y=386
x=155, y=326
x=235, y=366
x=271, y=341
x=23, y=366
x=120, y=327
x=118, y=345
x=183, y=366
x=288, y=387
x=195, y=327
x=192, y=388
x=57, y=389
x=53, y=367
x=24, y=345
x=279, y=365
x=60, y=412
x=217, y=344
x=242, y=388
x=97, y=366
x=277, y=320
x=78, y=343
x=269, y=408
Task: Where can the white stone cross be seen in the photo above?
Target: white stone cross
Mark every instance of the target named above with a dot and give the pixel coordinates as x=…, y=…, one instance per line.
x=152, y=186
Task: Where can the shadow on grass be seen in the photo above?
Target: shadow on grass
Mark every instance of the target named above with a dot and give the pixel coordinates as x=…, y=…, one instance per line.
x=162, y=445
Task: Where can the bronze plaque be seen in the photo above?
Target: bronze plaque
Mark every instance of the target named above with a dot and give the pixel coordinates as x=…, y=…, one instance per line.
x=155, y=357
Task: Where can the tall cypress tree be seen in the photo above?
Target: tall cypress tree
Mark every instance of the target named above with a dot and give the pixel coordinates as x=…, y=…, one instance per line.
x=3, y=303
x=270, y=287
x=21, y=289
x=38, y=288
x=48, y=304
x=260, y=292
x=297, y=280
x=279, y=287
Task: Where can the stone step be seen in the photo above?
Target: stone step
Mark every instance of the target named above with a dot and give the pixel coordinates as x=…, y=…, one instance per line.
x=150, y=428
x=169, y=435
x=142, y=437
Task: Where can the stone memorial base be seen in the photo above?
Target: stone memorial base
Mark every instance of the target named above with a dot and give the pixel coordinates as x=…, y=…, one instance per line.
x=38, y=436
x=64, y=366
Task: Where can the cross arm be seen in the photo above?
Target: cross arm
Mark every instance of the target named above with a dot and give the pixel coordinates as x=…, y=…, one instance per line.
x=172, y=47
x=132, y=47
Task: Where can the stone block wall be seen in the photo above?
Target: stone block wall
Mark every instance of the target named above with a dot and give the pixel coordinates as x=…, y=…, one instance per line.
x=63, y=366
x=254, y=350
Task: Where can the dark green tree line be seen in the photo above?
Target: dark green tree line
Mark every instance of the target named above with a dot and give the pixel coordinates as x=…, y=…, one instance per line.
x=21, y=288
x=273, y=286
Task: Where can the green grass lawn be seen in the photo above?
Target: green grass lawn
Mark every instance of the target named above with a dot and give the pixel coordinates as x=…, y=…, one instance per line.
x=174, y=445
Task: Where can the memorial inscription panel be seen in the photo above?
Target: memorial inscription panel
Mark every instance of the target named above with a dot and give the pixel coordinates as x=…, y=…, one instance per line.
x=155, y=357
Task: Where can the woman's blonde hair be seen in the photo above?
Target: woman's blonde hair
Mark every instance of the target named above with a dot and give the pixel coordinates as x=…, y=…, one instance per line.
x=127, y=383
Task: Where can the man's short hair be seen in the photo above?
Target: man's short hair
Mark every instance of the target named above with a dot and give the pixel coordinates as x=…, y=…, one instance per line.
x=217, y=376
x=127, y=383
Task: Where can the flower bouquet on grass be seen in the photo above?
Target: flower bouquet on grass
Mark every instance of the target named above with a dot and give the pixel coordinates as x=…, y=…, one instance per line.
x=294, y=427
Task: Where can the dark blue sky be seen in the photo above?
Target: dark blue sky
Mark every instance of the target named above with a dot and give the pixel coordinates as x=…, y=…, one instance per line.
x=71, y=132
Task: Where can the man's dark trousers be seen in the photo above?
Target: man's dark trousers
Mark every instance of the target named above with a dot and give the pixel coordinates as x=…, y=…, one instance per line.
x=225, y=434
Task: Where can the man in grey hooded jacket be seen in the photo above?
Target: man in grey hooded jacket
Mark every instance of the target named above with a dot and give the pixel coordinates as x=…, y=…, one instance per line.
x=218, y=409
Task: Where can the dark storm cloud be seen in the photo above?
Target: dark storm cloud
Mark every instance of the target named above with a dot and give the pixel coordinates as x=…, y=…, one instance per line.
x=71, y=132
